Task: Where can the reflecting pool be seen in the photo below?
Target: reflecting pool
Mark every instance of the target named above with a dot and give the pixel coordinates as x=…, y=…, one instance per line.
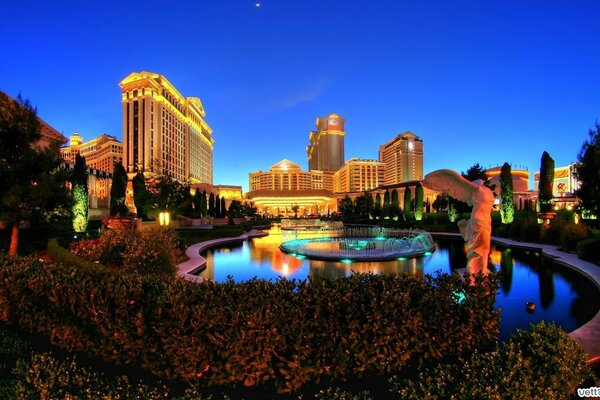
x=560, y=294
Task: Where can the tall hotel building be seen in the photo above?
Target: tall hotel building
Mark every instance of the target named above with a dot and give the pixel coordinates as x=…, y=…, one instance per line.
x=358, y=176
x=101, y=153
x=164, y=133
x=326, y=149
x=402, y=159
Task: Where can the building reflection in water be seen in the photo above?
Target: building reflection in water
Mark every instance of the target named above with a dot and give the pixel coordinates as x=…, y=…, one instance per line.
x=525, y=276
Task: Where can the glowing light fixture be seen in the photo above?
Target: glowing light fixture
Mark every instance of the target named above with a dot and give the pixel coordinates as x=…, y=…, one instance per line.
x=164, y=218
x=346, y=261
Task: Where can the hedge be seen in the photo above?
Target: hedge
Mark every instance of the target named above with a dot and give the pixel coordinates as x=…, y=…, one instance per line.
x=285, y=333
x=589, y=249
x=541, y=363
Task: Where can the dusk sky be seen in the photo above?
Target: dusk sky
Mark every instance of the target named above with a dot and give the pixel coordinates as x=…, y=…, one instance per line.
x=478, y=81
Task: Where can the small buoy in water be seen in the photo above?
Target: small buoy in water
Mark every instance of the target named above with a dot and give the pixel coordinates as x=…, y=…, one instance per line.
x=530, y=307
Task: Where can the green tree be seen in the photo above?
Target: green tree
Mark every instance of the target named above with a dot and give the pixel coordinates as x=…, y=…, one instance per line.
x=385, y=211
x=362, y=206
x=419, y=202
x=211, y=205
x=197, y=202
x=31, y=183
x=475, y=172
x=140, y=194
x=217, y=206
x=236, y=210
x=203, y=205
x=248, y=209
x=546, y=182
x=80, y=195
x=345, y=207
x=507, y=207
x=395, y=206
x=587, y=172
x=223, y=208
x=377, y=206
x=407, y=201
x=117, y=191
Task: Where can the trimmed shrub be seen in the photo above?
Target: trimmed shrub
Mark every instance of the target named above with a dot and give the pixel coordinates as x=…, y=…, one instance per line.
x=525, y=230
x=151, y=251
x=571, y=235
x=339, y=394
x=285, y=333
x=551, y=234
x=44, y=377
x=589, y=249
x=541, y=363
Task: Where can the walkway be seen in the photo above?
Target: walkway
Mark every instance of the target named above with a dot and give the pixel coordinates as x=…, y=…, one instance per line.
x=196, y=261
x=588, y=335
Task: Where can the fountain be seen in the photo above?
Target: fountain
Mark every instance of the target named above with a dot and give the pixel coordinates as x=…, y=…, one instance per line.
x=359, y=244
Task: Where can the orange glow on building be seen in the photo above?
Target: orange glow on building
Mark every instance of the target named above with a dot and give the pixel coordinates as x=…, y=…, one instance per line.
x=165, y=133
x=326, y=149
x=402, y=158
x=358, y=176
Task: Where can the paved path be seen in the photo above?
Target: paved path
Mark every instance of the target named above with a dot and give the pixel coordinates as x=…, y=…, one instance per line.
x=196, y=261
x=588, y=335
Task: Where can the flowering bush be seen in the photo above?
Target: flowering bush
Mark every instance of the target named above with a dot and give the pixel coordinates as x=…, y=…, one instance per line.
x=149, y=251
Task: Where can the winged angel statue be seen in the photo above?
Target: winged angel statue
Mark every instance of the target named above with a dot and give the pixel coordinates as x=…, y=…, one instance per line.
x=477, y=231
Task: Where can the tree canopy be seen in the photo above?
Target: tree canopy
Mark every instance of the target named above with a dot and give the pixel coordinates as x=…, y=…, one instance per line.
x=507, y=207
x=546, y=182
x=587, y=172
x=32, y=185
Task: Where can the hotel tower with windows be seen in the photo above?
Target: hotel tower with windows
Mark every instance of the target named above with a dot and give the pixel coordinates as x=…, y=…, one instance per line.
x=164, y=133
x=402, y=158
x=326, y=149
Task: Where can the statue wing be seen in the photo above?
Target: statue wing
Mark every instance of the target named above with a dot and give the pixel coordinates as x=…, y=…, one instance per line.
x=451, y=183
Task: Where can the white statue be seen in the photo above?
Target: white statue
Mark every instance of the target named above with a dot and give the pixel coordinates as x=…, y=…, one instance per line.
x=477, y=231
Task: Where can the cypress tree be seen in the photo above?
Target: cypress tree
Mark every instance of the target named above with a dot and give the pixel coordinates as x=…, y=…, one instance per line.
x=546, y=182
x=419, y=202
x=117, y=191
x=377, y=206
x=217, y=206
x=223, y=207
x=211, y=204
x=197, y=201
x=203, y=205
x=507, y=207
x=385, y=211
x=395, y=207
x=407, y=199
x=79, y=190
x=140, y=194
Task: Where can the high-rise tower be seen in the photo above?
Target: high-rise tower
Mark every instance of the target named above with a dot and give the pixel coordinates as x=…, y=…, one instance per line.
x=402, y=158
x=326, y=149
x=164, y=133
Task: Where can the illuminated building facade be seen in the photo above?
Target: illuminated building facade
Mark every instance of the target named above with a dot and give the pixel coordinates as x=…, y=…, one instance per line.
x=164, y=133
x=285, y=186
x=564, y=183
x=101, y=153
x=520, y=182
x=563, y=188
x=402, y=158
x=326, y=148
x=358, y=176
x=286, y=175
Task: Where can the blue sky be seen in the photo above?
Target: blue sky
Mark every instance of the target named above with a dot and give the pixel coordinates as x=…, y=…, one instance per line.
x=478, y=81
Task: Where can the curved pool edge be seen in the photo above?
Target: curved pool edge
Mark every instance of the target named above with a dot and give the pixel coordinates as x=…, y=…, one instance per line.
x=588, y=334
x=195, y=261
